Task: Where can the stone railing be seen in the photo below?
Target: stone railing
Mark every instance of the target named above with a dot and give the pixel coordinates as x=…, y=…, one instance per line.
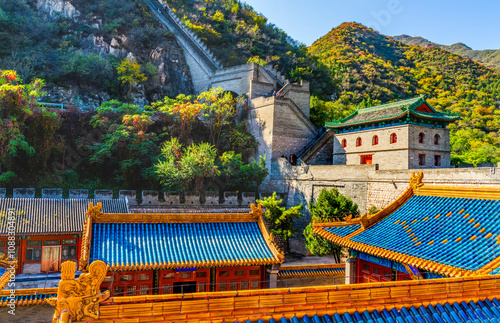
x=149, y=198
x=189, y=35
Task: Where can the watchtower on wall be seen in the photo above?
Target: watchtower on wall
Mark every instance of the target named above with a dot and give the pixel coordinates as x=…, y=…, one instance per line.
x=280, y=123
x=401, y=135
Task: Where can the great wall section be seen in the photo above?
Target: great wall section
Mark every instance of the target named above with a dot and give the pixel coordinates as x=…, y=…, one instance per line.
x=202, y=63
x=150, y=200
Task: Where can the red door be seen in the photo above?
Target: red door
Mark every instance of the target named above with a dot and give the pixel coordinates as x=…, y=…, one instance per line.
x=369, y=272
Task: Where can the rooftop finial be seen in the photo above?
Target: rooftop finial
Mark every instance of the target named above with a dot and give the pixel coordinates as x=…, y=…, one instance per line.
x=95, y=211
x=416, y=180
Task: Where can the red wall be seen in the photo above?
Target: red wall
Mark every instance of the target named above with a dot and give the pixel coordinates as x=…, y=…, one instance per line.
x=368, y=272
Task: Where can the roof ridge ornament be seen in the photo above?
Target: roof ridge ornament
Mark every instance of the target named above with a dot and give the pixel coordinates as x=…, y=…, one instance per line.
x=79, y=299
x=416, y=180
x=95, y=211
x=256, y=210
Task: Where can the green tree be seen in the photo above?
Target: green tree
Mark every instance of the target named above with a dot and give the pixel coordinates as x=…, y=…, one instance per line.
x=218, y=16
x=218, y=109
x=184, y=109
x=129, y=71
x=237, y=175
x=257, y=60
x=18, y=106
x=179, y=168
x=279, y=218
x=331, y=206
x=126, y=146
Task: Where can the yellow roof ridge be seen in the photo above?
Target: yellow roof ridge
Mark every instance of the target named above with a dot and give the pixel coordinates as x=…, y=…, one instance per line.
x=367, y=221
x=174, y=217
x=30, y=291
x=470, y=192
x=252, y=304
x=295, y=301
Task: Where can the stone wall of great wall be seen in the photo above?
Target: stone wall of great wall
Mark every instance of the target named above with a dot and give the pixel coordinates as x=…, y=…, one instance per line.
x=150, y=200
x=202, y=63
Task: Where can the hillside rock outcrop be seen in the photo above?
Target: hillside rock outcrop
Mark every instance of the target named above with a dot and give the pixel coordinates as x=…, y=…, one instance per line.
x=57, y=8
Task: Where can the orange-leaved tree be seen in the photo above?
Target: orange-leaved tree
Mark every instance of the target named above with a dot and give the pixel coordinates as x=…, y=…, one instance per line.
x=185, y=110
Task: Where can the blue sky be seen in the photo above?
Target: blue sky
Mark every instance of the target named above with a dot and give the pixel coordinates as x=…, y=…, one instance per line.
x=475, y=23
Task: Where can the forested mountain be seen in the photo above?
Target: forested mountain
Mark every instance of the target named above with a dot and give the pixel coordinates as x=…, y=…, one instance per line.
x=364, y=68
x=489, y=57
x=98, y=50
x=114, y=54
x=370, y=68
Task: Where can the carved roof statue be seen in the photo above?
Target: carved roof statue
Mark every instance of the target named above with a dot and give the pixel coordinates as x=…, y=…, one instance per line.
x=79, y=299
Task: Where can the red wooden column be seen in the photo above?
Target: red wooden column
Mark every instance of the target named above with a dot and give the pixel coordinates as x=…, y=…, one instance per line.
x=21, y=256
x=78, y=247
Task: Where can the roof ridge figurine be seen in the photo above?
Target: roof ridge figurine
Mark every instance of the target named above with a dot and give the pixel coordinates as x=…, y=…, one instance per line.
x=79, y=299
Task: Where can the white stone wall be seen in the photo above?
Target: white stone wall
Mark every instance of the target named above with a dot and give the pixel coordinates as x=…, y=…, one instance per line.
x=428, y=147
x=280, y=129
x=236, y=79
x=260, y=125
x=251, y=80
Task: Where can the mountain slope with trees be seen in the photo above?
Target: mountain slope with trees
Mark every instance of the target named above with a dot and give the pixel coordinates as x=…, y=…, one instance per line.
x=186, y=143
x=78, y=51
x=489, y=57
x=237, y=34
x=369, y=68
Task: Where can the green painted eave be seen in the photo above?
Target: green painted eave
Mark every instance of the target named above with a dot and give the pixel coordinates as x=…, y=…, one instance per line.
x=407, y=108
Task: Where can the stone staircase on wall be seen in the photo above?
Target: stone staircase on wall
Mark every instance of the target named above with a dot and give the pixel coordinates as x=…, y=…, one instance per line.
x=282, y=81
x=151, y=198
x=202, y=62
x=197, y=43
x=315, y=146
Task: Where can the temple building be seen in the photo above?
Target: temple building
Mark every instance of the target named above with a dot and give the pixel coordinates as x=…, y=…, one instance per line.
x=407, y=134
x=430, y=231
x=48, y=231
x=181, y=253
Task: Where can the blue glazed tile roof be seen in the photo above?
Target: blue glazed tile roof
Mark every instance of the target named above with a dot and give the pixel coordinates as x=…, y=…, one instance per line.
x=2, y=271
x=480, y=311
x=343, y=231
x=179, y=243
x=418, y=221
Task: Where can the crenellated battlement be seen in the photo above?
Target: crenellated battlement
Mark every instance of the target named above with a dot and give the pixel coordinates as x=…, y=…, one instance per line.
x=147, y=198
